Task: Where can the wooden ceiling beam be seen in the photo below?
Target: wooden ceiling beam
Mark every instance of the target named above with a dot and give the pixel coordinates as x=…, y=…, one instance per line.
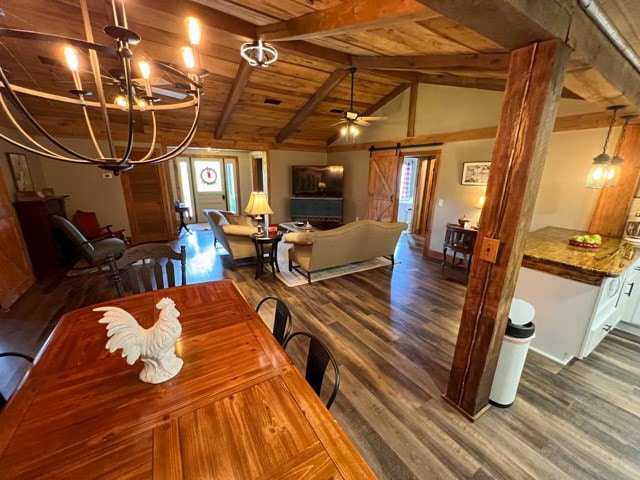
x=311, y=51
x=239, y=84
x=323, y=92
x=490, y=62
x=377, y=106
x=522, y=23
x=342, y=18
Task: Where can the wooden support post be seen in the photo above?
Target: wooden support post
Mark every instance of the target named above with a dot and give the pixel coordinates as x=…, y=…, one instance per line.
x=534, y=85
x=610, y=215
x=413, y=105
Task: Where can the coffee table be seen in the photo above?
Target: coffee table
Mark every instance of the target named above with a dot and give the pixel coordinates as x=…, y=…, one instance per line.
x=292, y=227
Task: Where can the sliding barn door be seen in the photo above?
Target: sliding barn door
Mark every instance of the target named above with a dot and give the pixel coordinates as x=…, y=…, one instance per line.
x=146, y=193
x=16, y=275
x=382, y=203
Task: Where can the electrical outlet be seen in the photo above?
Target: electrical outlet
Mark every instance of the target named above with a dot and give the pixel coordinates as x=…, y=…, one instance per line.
x=107, y=175
x=440, y=202
x=489, y=252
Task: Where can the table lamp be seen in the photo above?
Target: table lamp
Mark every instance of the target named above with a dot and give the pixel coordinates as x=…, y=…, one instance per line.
x=257, y=207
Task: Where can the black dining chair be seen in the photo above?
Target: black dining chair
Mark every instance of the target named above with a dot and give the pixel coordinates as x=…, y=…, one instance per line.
x=281, y=319
x=318, y=358
x=12, y=354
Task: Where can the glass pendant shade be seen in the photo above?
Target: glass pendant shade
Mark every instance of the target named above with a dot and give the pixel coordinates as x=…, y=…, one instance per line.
x=613, y=172
x=350, y=132
x=598, y=172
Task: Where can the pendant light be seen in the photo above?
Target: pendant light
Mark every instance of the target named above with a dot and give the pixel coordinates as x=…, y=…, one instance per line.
x=615, y=169
x=600, y=168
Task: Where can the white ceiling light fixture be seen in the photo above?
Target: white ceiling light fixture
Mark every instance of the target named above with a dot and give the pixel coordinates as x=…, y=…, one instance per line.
x=600, y=173
x=259, y=54
x=134, y=95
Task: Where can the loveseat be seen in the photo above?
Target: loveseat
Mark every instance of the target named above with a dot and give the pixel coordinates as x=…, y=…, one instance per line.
x=354, y=242
x=235, y=238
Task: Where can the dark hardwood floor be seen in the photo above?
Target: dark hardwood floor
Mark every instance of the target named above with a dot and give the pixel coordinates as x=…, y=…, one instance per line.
x=393, y=333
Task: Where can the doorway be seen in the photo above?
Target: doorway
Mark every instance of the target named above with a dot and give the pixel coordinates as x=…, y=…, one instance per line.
x=207, y=182
x=416, y=191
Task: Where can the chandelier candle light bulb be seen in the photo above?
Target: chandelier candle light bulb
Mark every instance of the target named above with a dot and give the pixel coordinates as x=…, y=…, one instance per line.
x=189, y=58
x=193, y=27
x=71, y=58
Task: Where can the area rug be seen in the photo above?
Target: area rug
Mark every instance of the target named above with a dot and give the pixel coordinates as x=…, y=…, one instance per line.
x=295, y=279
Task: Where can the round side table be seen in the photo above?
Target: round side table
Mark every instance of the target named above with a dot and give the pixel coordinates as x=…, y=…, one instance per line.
x=265, y=255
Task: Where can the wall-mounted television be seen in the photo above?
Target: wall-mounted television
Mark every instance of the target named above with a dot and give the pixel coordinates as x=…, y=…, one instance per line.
x=312, y=181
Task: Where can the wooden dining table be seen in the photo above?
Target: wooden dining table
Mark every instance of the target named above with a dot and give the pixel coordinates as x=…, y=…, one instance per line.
x=238, y=409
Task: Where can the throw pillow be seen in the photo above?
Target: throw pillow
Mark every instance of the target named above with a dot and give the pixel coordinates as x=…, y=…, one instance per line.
x=239, y=220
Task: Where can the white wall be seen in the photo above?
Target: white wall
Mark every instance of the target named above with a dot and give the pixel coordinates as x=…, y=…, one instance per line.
x=563, y=200
x=280, y=163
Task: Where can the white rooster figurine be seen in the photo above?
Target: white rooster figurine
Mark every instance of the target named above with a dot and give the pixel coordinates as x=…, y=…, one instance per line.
x=155, y=346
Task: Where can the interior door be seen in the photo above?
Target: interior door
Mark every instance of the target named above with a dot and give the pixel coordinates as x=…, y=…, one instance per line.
x=382, y=203
x=209, y=185
x=148, y=208
x=16, y=275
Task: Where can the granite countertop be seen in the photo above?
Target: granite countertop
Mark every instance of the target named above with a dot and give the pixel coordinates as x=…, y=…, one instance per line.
x=550, y=246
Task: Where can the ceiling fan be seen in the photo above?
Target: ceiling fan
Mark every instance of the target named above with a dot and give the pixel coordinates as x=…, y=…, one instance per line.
x=352, y=119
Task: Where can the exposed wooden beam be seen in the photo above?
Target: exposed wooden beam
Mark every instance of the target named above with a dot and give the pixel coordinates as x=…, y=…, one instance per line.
x=489, y=62
x=239, y=84
x=413, y=107
x=522, y=22
x=323, y=92
x=610, y=215
x=534, y=84
x=344, y=17
x=376, y=106
x=569, y=123
x=311, y=51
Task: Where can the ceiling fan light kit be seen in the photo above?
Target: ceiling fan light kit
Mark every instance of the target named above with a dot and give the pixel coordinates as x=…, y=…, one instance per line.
x=352, y=119
x=128, y=100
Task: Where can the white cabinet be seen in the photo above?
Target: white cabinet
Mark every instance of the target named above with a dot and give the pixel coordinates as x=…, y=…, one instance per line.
x=573, y=317
x=631, y=294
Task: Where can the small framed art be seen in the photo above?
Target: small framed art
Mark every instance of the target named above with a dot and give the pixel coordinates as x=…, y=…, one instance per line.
x=20, y=172
x=475, y=173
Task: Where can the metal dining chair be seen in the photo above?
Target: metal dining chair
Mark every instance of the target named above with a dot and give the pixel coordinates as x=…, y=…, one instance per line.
x=281, y=319
x=318, y=357
x=28, y=358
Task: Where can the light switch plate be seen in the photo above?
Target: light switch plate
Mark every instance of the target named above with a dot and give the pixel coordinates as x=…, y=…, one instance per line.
x=489, y=252
x=107, y=175
x=440, y=202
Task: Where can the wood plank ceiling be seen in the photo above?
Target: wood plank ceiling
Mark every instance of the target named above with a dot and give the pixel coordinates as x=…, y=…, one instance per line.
x=392, y=44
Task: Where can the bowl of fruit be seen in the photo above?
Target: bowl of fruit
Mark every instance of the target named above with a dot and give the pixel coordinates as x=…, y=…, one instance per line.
x=586, y=241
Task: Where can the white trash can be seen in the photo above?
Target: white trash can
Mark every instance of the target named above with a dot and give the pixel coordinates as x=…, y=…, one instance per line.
x=513, y=353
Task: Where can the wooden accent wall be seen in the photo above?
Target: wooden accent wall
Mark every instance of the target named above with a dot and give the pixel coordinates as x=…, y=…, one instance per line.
x=534, y=85
x=16, y=275
x=610, y=215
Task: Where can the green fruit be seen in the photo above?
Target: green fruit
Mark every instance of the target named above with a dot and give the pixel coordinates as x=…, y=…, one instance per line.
x=589, y=240
x=597, y=238
x=579, y=238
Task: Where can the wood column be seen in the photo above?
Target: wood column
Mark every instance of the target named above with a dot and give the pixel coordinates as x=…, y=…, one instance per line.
x=534, y=85
x=610, y=215
x=413, y=107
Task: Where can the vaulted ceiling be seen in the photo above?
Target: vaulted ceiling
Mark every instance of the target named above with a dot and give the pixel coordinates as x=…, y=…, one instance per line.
x=295, y=101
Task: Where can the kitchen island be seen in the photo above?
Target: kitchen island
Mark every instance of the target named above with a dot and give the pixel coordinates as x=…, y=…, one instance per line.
x=579, y=294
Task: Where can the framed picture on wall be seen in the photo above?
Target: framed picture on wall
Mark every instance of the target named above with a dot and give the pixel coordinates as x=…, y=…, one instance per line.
x=20, y=172
x=475, y=173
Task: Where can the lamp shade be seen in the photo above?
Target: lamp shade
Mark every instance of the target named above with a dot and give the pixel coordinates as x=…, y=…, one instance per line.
x=258, y=204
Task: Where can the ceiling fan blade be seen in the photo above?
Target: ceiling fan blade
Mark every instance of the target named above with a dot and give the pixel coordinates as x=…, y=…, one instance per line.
x=338, y=123
x=369, y=119
x=169, y=93
x=360, y=121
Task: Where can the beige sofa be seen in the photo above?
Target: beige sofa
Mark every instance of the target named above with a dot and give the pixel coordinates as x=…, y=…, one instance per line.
x=236, y=239
x=354, y=242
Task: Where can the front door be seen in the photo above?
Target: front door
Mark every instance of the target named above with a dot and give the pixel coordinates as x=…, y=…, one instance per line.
x=382, y=203
x=209, y=183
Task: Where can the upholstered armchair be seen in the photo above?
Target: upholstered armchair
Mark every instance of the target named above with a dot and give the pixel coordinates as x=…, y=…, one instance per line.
x=87, y=223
